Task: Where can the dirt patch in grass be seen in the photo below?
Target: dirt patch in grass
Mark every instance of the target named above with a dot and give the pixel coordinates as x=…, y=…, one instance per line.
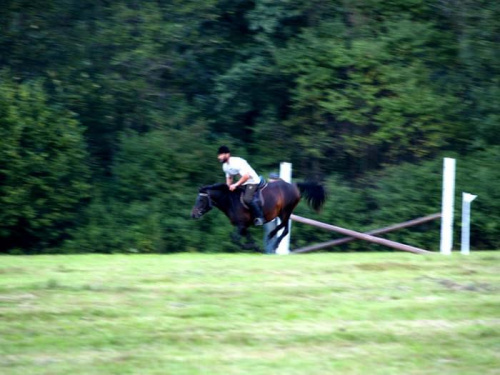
x=387, y=266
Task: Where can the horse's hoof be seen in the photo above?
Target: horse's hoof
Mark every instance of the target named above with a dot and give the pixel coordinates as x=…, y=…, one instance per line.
x=258, y=222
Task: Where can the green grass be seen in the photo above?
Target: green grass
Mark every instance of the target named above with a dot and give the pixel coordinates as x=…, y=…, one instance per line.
x=375, y=313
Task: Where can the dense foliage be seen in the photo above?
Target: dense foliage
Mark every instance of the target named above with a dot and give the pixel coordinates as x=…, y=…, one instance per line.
x=111, y=114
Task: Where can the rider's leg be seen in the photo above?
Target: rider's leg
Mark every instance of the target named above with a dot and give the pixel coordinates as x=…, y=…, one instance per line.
x=248, y=198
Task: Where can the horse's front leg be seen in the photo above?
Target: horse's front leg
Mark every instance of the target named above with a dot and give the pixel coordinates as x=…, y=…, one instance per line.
x=238, y=235
x=242, y=231
x=250, y=242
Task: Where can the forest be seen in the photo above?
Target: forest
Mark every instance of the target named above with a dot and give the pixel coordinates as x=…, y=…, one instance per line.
x=111, y=114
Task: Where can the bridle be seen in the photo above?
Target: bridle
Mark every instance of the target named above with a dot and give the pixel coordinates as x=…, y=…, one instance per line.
x=210, y=203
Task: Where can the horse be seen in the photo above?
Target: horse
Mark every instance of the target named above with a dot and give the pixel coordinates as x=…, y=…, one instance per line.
x=278, y=200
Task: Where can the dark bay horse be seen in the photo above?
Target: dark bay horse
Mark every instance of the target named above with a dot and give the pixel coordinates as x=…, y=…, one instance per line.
x=279, y=200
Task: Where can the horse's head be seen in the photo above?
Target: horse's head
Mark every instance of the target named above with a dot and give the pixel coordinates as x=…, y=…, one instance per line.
x=208, y=197
x=202, y=205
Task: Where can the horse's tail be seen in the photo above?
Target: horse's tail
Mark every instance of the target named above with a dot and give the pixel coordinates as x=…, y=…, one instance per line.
x=313, y=192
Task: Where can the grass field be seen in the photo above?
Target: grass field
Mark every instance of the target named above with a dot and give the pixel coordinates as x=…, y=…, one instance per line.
x=375, y=313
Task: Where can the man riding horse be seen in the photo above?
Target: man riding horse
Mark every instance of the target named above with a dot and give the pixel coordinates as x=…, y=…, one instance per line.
x=279, y=199
x=248, y=180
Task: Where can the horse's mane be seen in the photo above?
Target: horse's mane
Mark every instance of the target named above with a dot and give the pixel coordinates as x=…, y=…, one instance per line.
x=220, y=187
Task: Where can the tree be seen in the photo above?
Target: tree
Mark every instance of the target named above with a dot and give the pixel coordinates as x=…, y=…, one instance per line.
x=146, y=206
x=43, y=170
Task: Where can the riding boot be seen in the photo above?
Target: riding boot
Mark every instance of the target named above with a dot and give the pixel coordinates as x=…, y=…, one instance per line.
x=257, y=213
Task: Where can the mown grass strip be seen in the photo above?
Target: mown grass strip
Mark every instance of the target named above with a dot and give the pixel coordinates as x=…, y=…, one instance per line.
x=374, y=313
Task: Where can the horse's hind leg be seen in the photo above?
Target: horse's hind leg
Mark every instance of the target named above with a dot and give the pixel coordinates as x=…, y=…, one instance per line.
x=284, y=224
x=275, y=231
x=285, y=232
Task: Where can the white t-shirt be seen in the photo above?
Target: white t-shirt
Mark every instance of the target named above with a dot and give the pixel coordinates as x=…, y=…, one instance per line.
x=238, y=166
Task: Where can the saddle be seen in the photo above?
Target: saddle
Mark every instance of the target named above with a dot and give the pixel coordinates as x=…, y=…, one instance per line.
x=258, y=197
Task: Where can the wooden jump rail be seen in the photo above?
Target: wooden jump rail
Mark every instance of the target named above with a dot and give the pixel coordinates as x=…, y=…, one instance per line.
x=361, y=236
x=388, y=229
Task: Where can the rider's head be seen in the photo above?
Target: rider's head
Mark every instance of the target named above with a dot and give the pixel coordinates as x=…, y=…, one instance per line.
x=223, y=154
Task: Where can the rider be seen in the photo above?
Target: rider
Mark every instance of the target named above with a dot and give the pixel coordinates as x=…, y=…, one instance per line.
x=249, y=180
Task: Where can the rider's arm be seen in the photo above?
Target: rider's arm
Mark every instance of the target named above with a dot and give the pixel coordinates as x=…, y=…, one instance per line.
x=243, y=179
x=229, y=180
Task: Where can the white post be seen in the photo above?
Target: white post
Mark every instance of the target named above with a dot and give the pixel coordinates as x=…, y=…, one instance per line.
x=286, y=175
x=466, y=201
x=447, y=206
